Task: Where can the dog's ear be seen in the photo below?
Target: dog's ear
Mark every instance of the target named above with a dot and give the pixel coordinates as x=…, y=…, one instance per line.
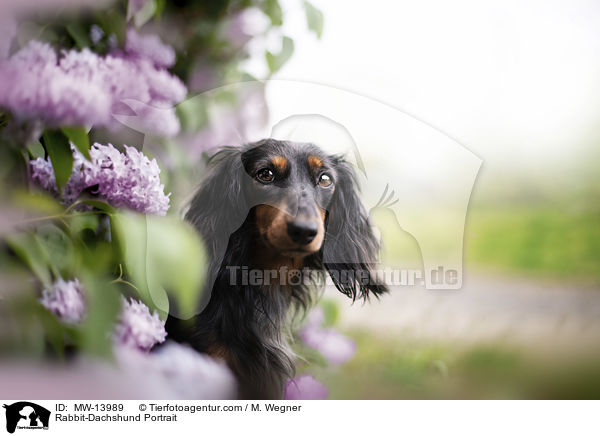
x=218, y=208
x=350, y=249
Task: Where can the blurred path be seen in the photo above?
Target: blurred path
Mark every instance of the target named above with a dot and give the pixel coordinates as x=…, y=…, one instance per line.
x=486, y=308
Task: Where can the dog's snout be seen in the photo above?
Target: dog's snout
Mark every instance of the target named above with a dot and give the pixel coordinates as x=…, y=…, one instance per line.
x=302, y=232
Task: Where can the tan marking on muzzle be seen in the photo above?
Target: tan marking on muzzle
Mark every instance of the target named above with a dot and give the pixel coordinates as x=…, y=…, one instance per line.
x=272, y=223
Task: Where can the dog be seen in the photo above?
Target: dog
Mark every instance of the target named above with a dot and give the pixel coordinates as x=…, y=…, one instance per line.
x=275, y=206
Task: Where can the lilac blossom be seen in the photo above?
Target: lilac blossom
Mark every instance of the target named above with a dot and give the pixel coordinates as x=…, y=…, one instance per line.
x=245, y=25
x=149, y=47
x=183, y=372
x=230, y=125
x=173, y=372
x=83, y=88
x=42, y=174
x=304, y=387
x=331, y=344
x=34, y=86
x=96, y=34
x=130, y=180
x=127, y=179
x=65, y=299
x=137, y=328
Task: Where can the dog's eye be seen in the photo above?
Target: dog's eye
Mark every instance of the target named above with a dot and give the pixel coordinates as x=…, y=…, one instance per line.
x=325, y=180
x=265, y=175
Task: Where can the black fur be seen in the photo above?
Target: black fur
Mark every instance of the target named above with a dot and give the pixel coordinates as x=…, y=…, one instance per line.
x=244, y=324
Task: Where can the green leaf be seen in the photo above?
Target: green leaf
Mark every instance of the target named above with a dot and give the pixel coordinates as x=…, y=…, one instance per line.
x=274, y=12
x=36, y=149
x=160, y=7
x=145, y=14
x=55, y=332
x=112, y=21
x=103, y=306
x=164, y=257
x=81, y=222
x=78, y=136
x=59, y=150
x=31, y=252
x=99, y=204
x=193, y=114
x=39, y=204
x=314, y=18
x=276, y=61
x=79, y=34
x=58, y=247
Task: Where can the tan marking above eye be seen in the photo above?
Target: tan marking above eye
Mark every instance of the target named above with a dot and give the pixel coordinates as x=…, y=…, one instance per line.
x=280, y=163
x=315, y=162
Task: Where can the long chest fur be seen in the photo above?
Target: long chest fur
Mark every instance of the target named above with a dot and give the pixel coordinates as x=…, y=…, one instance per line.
x=246, y=326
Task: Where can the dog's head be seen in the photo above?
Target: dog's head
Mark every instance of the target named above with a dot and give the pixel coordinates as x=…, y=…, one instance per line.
x=292, y=186
x=285, y=200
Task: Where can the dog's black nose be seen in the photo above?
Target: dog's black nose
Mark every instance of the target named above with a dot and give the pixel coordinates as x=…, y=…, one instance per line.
x=302, y=232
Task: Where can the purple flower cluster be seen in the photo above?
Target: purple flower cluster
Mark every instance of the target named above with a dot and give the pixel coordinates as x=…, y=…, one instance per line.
x=333, y=346
x=173, y=372
x=65, y=300
x=304, y=387
x=137, y=328
x=82, y=88
x=244, y=122
x=149, y=47
x=128, y=179
x=244, y=26
x=183, y=371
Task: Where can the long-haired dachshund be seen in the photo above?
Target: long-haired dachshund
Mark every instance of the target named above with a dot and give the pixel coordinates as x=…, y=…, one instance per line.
x=274, y=207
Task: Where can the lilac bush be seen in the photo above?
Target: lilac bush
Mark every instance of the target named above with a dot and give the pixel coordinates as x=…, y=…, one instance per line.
x=76, y=68
x=129, y=179
x=65, y=299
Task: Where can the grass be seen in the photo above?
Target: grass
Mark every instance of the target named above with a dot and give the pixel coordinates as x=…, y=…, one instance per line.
x=538, y=241
x=404, y=369
x=549, y=242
